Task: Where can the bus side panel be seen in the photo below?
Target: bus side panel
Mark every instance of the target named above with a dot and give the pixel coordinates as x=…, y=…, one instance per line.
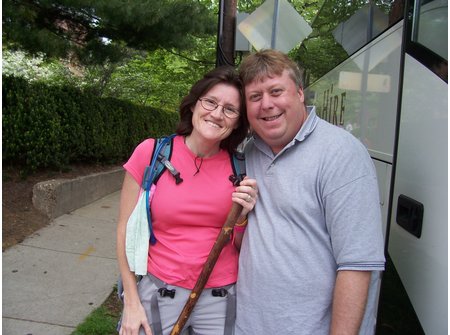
x=421, y=174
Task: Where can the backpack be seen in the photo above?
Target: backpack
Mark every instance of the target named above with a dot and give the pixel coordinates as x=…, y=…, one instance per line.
x=160, y=160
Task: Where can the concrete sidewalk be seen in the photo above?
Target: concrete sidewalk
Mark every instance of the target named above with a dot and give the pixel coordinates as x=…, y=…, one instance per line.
x=55, y=278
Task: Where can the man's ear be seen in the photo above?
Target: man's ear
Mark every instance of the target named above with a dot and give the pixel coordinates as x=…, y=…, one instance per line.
x=301, y=94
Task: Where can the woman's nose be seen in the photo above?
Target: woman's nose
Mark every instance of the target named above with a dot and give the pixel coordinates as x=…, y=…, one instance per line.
x=218, y=112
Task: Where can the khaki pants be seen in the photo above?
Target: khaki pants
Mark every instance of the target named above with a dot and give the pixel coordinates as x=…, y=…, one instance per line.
x=213, y=314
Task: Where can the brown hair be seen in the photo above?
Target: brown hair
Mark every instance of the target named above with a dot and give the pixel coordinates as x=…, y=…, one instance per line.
x=226, y=75
x=268, y=63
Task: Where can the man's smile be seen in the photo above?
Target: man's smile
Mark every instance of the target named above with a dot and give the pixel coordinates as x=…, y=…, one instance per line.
x=271, y=118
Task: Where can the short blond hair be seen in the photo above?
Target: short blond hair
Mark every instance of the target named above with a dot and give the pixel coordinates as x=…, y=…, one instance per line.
x=269, y=63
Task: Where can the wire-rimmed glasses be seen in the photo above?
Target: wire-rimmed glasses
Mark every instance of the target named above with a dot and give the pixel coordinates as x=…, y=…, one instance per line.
x=211, y=105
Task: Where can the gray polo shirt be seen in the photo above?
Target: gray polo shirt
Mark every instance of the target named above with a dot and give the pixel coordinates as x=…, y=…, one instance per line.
x=317, y=213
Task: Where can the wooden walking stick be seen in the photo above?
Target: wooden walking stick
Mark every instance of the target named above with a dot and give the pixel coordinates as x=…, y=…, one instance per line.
x=223, y=238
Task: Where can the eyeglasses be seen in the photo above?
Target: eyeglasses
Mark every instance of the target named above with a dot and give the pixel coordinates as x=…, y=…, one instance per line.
x=211, y=105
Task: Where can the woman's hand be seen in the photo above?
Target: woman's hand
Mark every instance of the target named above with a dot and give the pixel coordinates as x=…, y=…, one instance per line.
x=246, y=194
x=133, y=319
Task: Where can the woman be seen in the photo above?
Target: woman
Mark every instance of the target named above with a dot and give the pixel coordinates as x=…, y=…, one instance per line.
x=188, y=217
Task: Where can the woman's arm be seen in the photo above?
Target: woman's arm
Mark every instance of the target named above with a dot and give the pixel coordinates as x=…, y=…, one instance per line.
x=246, y=195
x=133, y=313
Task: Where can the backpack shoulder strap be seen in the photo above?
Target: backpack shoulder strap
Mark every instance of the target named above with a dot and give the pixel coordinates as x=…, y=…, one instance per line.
x=164, y=158
x=238, y=164
x=162, y=152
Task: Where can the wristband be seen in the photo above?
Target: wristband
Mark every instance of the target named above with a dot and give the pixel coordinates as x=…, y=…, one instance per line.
x=243, y=223
x=241, y=226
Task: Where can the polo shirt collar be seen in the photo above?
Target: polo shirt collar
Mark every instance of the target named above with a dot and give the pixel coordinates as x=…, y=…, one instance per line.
x=309, y=125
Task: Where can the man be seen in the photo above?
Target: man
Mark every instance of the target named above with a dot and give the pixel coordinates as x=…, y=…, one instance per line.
x=313, y=250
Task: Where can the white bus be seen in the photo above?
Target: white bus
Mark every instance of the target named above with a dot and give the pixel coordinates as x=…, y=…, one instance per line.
x=391, y=92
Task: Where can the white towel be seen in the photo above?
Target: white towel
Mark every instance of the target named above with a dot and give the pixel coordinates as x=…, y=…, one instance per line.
x=137, y=236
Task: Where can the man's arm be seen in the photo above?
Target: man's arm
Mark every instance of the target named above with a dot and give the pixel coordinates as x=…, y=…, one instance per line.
x=349, y=302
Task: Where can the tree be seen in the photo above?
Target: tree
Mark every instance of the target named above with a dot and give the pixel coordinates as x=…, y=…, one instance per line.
x=226, y=33
x=97, y=31
x=159, y=78
x=37, y=68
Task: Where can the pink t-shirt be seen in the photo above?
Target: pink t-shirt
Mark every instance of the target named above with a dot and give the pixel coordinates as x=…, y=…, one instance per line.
x=187, y=218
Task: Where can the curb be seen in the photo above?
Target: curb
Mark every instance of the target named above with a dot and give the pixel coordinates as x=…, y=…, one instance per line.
x=57, y=197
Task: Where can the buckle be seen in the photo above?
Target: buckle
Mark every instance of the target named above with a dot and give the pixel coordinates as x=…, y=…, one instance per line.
x=236, y=179
x=164, y=292
x=219, y=292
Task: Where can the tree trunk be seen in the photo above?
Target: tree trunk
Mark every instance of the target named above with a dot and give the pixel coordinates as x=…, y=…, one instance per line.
x=226, y=32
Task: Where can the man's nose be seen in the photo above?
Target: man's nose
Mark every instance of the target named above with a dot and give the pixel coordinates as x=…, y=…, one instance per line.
x=266, y=101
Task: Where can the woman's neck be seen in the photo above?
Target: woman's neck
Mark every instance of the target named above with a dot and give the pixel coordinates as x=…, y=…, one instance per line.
x=200, y=148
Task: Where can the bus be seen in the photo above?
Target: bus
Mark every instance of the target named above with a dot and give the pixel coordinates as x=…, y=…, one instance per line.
x=390, y=90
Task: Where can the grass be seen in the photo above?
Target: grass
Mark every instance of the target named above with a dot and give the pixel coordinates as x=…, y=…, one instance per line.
x=99, y=322
x=103, y=320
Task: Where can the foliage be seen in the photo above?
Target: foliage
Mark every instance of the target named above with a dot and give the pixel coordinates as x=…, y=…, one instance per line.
x=103, y=34
x=314, y=60
x=160, y=78
x=34, y=68
x=52, y=126
x=99, y=31
x=99, y=322
x=248, y=6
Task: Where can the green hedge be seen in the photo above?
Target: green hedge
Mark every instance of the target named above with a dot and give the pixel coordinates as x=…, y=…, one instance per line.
x=52, y=127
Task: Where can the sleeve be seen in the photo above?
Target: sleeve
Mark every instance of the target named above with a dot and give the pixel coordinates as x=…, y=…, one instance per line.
x=140, y=159
x=354, y=222
x=353, y=214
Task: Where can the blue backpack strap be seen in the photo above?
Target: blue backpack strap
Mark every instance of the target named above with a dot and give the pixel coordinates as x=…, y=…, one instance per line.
x=160, y=160
x=238, y=165
x=162, y=151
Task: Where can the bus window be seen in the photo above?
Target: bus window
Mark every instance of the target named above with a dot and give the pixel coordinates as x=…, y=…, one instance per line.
x=427, y=35
x=430, y=26
x=340, y=29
